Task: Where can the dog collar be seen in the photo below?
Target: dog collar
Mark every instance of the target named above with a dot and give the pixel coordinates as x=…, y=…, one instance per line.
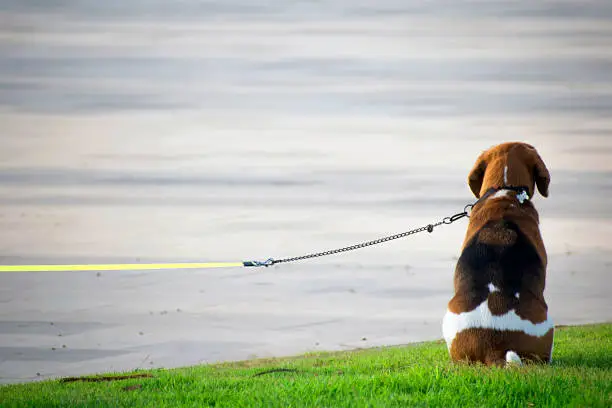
x=522, y=193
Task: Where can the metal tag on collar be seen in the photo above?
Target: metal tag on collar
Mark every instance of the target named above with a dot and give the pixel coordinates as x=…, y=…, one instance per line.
x=522, y=196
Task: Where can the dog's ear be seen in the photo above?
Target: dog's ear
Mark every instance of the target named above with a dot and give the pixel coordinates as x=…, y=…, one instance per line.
x=476, y=176
x=541, y=175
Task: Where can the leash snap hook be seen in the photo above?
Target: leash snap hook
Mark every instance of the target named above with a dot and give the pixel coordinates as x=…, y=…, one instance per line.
x=453, y=218
x=266, y=263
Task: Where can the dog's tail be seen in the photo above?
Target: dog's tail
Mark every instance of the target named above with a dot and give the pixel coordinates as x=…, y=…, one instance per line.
x=513, y=359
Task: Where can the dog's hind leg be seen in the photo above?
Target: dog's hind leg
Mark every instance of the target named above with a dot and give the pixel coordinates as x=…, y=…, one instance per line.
x=495, y=358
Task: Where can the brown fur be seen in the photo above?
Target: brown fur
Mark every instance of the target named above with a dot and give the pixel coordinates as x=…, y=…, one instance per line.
x=525, y=168
x=468, y=346
x=524, y=215
x=487, y=224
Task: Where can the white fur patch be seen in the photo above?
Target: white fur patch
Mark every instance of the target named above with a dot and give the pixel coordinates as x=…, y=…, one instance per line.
x=493, y=288
x=506, y=175
x=482, y=318
x=500, y=193
x=512, y=358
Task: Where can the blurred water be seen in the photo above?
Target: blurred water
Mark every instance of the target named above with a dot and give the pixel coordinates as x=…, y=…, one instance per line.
x=209, y=130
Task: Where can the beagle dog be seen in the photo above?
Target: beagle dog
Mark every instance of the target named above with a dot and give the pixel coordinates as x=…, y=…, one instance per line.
x=498, y=314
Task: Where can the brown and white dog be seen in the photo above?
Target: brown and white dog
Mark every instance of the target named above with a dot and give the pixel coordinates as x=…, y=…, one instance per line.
x=498, y=314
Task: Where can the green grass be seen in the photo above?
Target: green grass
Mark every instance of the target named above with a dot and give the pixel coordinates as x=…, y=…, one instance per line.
x=408, y=376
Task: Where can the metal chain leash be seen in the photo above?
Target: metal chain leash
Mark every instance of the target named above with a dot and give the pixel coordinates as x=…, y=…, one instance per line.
x=429, y=228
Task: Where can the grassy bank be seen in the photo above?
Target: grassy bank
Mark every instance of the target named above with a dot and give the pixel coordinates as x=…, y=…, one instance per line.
x=416, y=375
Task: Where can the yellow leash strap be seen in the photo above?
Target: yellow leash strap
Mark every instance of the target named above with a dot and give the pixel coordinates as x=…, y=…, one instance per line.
x=130, y=267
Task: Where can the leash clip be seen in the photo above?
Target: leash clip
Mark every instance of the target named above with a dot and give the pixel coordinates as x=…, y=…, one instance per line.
x=266, y=263
x=453, y=218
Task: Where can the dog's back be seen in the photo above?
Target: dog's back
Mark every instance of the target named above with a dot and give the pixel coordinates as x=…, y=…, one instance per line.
x=498, y=306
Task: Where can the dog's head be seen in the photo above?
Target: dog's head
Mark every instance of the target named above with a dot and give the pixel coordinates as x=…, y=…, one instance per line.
x=509, y=164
